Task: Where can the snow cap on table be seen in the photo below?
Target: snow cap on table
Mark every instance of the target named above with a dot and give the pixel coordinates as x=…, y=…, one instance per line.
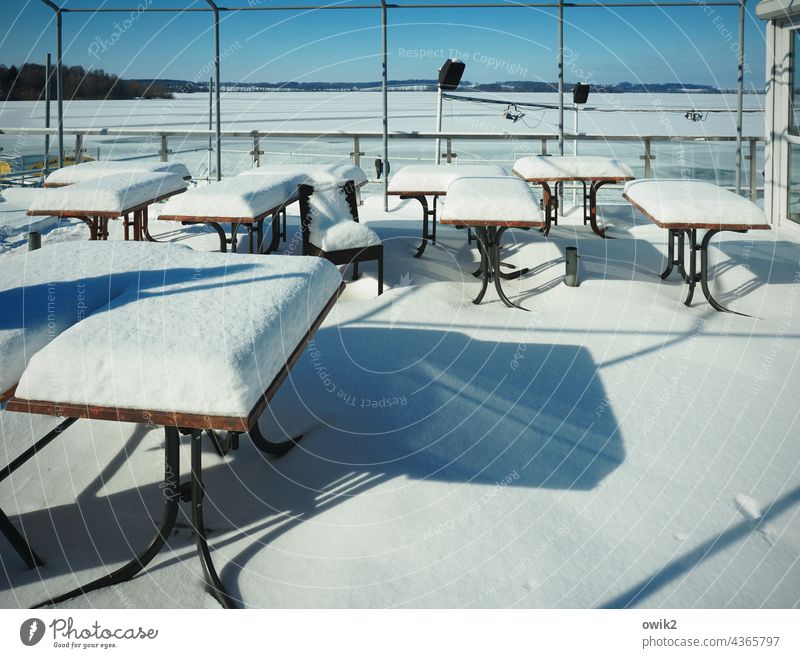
x=570, y=167
x=491, y=199
x=96, y=168
x=312, y=174
x=192, y=332
x=693, y=202
x=437, y=178
x=332, y=227
x=112, y=193
x=237, y=197
x=43, y=293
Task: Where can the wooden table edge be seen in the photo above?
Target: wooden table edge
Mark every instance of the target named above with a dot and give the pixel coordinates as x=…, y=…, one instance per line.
x=109, y=214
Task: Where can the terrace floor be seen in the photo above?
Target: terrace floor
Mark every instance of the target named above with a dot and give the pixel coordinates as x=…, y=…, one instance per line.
x=609, y=448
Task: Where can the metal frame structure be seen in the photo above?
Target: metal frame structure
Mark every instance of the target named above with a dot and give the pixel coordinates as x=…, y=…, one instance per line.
x=383, y=6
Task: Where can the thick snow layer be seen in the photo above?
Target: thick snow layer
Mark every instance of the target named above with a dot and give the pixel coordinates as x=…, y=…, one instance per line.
x=151, y=346
x=45, y=292
x=14, y=220
x=113, y=193
x=503, y=199
x=570, y=167
x=96, y=168
x=332, y=227
x=693, y=202
x=312, y=174
x=435, y=179
x=240, y=196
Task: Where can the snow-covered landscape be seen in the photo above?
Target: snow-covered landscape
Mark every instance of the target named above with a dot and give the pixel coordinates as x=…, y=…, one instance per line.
x=610, y=447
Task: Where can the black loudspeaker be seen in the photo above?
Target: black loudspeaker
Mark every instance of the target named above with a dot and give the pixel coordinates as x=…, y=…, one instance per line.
x=450, y=74
x=580, y=93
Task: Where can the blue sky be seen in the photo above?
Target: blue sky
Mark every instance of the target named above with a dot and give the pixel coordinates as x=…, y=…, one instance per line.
x=691, y=44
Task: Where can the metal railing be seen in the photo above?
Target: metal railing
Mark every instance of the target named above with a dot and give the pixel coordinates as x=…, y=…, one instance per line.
x=354, y=143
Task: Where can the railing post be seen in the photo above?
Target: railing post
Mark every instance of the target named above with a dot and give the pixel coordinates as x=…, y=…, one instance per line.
x=753, y=168
x=449, y=154
x=78, y=148
x=256, y=152
x=164, y=149
x=647, y=157
x=544, y=147
x=355, y=156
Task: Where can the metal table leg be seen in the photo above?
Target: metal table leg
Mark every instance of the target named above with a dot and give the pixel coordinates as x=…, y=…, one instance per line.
x=426, y=213
x=213, y=583
x=13, y=535
x=171, y=491
x=593, y=209
x=489, y=239
x=276, y=449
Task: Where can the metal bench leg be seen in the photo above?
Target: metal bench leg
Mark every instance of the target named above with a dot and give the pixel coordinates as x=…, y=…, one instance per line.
x=171, y=491
x=213, y=583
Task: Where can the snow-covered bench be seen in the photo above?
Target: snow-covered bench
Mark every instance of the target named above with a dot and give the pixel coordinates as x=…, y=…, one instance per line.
x=491, y=206
x=85, y=171
x=684, y=207
x=422, y=181
x=97, y=200
x=330, y=227
x=594, y=170
x=252, y=196
x=138, y=347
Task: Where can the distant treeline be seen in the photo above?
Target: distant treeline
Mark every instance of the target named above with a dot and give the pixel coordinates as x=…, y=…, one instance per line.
x=185, y=86
x=27, y=84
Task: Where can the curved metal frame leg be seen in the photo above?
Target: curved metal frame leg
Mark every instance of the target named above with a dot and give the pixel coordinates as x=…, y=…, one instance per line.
x=704, y=275
x=425, y=214
x=213, y=583
x=692, y=277
x=485, y=270
x=171, y=491
x=271, y=447
x=548, y=210
x=593, y=210
x=145, y=227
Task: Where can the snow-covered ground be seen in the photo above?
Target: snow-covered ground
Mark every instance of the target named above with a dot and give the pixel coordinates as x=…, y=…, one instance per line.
x=610, y=447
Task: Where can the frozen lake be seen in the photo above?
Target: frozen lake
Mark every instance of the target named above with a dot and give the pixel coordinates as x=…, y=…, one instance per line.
x=409, y=112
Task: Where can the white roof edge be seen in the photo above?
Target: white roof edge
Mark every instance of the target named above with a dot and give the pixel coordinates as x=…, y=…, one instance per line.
x=778, y=9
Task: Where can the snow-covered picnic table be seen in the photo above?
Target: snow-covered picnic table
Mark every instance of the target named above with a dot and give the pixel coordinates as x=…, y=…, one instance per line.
x=491, y=206
x=594, y=170
x=97, y=200
x=422, y=181
x=96, y=168
x=120, y=331
x=685, y=206
x=251, y=197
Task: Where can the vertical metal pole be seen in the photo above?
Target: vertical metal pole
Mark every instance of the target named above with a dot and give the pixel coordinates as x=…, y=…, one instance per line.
x=753, y=168
x=60, y=90
x=210, y=122
x=78, y=148
x=385, y=93
x=438, y=124
x=214, y=7
x=740, y=97
x=47, y=73
x=561, y=77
